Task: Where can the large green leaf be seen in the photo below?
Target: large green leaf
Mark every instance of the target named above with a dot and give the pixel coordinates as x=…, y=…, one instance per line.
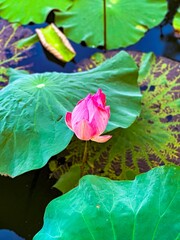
x=99, y=208
x=113, y=23
x=32, y=127
x=151, y=141
x=30, y=10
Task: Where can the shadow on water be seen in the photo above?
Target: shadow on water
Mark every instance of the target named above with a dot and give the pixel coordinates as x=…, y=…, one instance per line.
x=159, y=40
x=23, y=201
x=165, y=44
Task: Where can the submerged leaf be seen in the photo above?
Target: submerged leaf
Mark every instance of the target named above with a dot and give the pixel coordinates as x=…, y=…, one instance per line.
x=56, y=43
x=10, y=55
x=32, y=127
x=110, y=23
x=30, y=10
x=99, y=208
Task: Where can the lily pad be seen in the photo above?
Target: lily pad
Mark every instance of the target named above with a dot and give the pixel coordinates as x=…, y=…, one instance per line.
x=32, y=107
x=152, y=140
x=99, y=208
x=30, y=10
x=56, y=43
x=110, y=23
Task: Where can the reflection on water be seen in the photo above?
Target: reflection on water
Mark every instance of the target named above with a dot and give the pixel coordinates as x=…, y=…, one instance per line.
x=23, y=202
x=161, y=42
x=171, y=46
x=9, y=235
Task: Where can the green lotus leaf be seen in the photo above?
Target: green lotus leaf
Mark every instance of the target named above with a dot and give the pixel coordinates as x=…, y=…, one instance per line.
x=152, y=140
x=53, y=40
x=176, y=22
x=100, y=208
x=32, y=107
x=3, y=77
x=56, y=43
x=69, y=180
x=110, y=23
x=30, y=10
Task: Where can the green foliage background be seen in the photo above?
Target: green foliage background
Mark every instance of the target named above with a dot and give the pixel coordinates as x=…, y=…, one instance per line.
x=110, y=23
x=151, y=141
x=28, y=11
x=33, y=106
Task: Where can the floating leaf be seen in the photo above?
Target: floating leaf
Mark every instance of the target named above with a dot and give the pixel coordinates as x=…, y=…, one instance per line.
x=112, y=23
x=3, y=77
x=176, y=23
x=99, y=208
x=152, y=140
x=56, y=43
x=30, y=10
x=32, y=127
x=10, y=55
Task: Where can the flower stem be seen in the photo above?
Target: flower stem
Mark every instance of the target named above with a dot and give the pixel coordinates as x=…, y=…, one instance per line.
x=84, y=158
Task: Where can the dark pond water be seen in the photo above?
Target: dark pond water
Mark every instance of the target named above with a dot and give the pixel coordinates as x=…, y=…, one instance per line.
x=23, y=199
x=159, y=40
x=7, y=234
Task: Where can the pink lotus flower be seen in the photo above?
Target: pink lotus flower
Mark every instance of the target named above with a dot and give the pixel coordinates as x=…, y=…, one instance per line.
x=90, y=117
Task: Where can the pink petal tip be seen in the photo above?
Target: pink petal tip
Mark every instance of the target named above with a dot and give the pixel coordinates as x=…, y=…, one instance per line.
x=101, y=139
x=68, y=119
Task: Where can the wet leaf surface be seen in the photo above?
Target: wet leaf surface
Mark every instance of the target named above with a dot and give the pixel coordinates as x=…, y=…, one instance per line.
x=33, y=106
x=100, y=208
